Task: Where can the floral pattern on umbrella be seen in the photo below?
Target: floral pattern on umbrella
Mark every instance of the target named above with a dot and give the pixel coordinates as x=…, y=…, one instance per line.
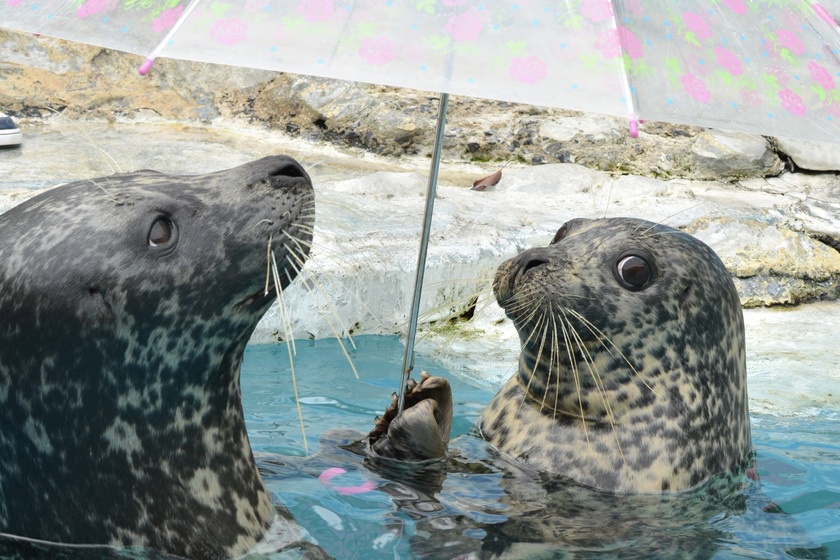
x=767, y=66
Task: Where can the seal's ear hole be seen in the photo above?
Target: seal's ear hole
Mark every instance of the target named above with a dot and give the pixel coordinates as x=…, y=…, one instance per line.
x=561, y=233
x=162, y=232
x=634, y=272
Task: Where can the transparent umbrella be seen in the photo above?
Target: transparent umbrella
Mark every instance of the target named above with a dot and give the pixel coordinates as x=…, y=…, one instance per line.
x=770, y=67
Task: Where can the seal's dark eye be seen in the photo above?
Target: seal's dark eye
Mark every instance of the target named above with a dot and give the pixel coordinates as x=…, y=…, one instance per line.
x=634, y=272
x=161, y=232
x=561, y=233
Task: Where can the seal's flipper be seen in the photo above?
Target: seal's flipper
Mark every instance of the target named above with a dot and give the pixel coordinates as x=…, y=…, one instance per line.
x=421, y=431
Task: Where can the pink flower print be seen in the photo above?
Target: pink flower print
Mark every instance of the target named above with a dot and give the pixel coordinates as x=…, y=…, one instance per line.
x=832, y=109
x=779, y=73
x=316, y=10
x=611, y=41
x=528, y=69
x=379, y=50
x=750, y=97
x=695, y=87
x=821, y=75
x=167, y=19
x=14, y=3
x=697, y=25
x=466, y=26
x=93, y=7
x=229, y=31
x=728, y=60
x=736, y=6
x=792, y=102
x=631, y=44
x=790, y=41
x=597, y=10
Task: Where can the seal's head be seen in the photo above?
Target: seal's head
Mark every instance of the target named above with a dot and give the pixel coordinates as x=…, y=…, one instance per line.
x=632, y=373
x=126, y=305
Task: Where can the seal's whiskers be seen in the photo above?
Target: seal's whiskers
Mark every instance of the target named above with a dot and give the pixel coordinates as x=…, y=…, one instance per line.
x=289, y=346
x=575, y=374
x=599, y=384
x=651, y=226
x=308, y=283
x=603, y=340
x=541, y=324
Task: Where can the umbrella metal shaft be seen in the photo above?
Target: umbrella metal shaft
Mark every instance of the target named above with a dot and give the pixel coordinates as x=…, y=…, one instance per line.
x=408, y=357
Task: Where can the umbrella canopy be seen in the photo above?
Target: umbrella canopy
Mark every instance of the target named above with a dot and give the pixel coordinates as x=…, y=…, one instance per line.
x=763, y=66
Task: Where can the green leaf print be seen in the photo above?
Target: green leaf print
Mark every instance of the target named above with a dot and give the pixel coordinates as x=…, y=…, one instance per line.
x=692, y=38
x=218, y=9
x=672, y=66
x=574, y=23
x=590, y=61
x=291, y=22
x=820, y=91
x=516, y=48
x=785, y=53
x=439, y=42
x=771, y=82
x=367, y=29
x=427, y=6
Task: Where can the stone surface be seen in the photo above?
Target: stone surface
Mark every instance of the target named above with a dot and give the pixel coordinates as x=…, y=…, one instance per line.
x=771, y=265
x=719, y=153
x=811, y=155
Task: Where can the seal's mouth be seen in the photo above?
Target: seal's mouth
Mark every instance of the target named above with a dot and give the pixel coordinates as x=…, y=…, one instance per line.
x=263, y=296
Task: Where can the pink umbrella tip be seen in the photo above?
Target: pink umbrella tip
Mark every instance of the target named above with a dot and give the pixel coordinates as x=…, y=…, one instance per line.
x=634, y=128
x=146, y=66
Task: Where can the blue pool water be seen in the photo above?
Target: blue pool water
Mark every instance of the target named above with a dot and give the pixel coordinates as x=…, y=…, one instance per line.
x=798, y=461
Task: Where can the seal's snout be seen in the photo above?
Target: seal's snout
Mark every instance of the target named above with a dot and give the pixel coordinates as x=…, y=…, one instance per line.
x=514, y=271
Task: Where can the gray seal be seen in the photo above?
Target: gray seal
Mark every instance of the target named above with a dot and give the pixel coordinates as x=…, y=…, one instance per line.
x=126, y=305
x=632, y=374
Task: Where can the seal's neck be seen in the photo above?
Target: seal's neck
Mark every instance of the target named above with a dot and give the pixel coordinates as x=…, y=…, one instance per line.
x=591, y=381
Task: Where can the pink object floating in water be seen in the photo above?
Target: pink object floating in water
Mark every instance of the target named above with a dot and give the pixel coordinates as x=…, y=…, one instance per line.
x=329, y=474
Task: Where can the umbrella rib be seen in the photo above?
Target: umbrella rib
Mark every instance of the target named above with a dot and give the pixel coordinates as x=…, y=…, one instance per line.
x=632, y=111
x=150, y=60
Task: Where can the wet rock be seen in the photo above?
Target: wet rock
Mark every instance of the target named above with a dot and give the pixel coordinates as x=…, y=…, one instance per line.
x=811, y=155
x=771, y=265
x=719, y=153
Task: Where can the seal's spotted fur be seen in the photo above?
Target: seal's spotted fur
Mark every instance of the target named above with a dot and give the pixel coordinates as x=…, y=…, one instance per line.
x=634, y=384
x=126, y=305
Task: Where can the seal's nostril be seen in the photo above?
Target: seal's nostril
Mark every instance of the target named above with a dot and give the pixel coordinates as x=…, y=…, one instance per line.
x=290, y=169
x=532, y=263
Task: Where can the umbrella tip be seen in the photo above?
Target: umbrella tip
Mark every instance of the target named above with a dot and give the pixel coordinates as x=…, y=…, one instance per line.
x=634, y=128
x=146, y=66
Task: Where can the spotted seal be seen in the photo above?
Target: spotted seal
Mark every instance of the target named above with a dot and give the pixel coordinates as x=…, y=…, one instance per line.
x=126, y=305
x=632, y=373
